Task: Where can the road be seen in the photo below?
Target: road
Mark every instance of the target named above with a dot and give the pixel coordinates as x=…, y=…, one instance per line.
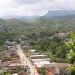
x=26, y=61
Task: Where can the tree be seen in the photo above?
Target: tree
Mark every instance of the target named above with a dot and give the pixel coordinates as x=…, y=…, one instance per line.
x=71, y=48
x=71, y=53
x=6, y=73
x=43, y=71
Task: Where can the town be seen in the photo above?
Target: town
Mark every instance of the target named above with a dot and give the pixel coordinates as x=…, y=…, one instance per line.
x=37, y=37
x=20, y=59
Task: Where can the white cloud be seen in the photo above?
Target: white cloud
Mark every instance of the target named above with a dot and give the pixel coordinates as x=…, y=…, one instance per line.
x=30, y=8
x=26, y=1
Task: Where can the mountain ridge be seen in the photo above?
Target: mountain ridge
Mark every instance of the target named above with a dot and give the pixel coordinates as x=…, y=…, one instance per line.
x=60, y=13
x=51, y=14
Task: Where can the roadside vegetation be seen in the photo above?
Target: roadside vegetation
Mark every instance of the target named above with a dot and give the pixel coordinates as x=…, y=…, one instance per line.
x=6, y=73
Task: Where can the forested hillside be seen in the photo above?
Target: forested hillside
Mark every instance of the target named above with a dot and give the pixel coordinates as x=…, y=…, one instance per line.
x=18, y=27
x=41, y=34
x=44, y=25
x=38, y=25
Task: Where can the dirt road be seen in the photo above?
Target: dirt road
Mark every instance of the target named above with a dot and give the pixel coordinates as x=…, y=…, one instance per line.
x=26, y=61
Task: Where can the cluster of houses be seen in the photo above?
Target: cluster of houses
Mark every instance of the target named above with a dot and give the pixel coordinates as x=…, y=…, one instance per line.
x=41, y=62
x=11, y=61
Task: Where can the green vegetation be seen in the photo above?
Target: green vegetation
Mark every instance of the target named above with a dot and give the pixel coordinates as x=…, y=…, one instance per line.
x=53, y=46
x=43, y=72
x=71, y=53
x=5, y=73
x=41, y=34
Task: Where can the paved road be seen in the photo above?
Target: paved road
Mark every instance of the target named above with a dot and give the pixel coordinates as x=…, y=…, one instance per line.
x=26, y=61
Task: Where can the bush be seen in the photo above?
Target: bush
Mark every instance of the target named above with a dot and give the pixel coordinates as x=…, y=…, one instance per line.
x=71, y=69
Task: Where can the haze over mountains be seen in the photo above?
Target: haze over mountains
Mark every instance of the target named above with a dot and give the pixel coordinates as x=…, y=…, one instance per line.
x=60, y=13
x=50, y=14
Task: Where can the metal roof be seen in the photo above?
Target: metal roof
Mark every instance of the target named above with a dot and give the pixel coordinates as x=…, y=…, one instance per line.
x=37, y=55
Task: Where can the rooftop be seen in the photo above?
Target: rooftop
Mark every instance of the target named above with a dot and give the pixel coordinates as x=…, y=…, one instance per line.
x=37, y=55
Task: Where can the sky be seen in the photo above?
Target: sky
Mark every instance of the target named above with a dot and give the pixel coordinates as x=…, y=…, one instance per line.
x=33, y=7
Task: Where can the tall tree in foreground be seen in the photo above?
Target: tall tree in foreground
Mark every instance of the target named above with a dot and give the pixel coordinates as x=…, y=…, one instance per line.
x=71, y=53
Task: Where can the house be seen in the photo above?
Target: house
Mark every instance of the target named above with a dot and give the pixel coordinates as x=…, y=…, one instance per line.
x=41, y=61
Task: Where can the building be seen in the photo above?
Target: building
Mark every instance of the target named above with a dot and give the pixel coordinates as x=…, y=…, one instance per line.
x=42, y=62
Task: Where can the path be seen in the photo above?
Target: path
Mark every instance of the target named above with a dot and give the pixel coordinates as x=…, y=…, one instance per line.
x=26, y=61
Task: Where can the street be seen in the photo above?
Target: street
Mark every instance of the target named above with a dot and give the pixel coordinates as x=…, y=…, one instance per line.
x=26, y=61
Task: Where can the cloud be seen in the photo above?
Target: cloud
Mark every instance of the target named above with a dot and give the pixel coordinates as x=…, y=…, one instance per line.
x=33, y=7
x=26, y=1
